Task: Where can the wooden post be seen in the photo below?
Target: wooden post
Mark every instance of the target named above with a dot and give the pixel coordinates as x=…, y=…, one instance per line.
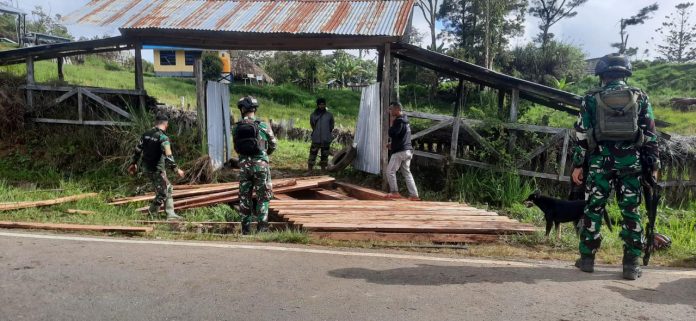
x=30, y=82
x=59, y=60
x=385, y=91
x=139, y=80
x=457, y=121
x=200, y=102
x=514, y=107
x=501, y=102
x=564, y=155
x=80, y=103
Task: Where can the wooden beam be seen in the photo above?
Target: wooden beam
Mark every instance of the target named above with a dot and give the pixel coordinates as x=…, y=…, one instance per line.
x=65, y=96
x=200, y=102
x=483, y=142
x=541, y=148
x=76, y=227
x=31, y=204
x=139, y=80
x=406, y=237
x=30, y=81
x=385, y=92
x=284, y=197
x=362, y=193
x=564, y=155
x=82, y=212
x=514, y=105
x=105, y=103
x=421, y=153
x=501, y=102
x=431, y=129
x=95, y=90
x=454, y=142
x=80, y=105
x=324, y=194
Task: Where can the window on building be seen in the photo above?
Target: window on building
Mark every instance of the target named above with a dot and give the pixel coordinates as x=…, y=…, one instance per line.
x=167, y=58
x=189, y=57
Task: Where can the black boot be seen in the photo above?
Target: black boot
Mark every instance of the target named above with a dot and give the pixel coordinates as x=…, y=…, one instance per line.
x=631, y=267
x=262, y=227
x=246, y=228
x=585, y=263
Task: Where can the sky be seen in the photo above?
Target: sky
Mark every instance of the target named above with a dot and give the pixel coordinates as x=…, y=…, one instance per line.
x=594, y=28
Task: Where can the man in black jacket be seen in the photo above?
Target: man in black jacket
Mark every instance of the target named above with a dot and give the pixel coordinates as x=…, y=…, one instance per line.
x=322, y=122
x=402, y=153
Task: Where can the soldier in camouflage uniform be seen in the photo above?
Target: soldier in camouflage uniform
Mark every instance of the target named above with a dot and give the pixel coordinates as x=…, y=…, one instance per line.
x=615, y=129
x=254, y=142
x=156, y=152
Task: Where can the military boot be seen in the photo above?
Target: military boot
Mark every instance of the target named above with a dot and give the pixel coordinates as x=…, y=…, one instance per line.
x=262, y=227
x=169, y=209
x=310, y=170
x=585, y=263
x=631, y=267
x=246, y=228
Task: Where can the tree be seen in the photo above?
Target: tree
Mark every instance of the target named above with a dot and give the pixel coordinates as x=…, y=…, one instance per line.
x=550, y=12
x=679, y=35
x=44, y=22
x=212, y=66
x=480, y=29
x=429, y=10
x=639, y=18
x=345, y=67
x=556, y=65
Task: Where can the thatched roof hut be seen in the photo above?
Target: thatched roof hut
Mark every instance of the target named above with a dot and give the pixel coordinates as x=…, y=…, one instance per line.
x=243, y=66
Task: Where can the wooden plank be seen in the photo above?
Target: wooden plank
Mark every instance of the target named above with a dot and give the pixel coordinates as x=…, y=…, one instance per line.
x=31, y=204
x=469, y=227
x=283, y=197
x=95, y=90
x=177, y=194
x=552, y=141
x=299, y=219
x=422, y=115
x=59, y=63
x=454, y=142
x=431, y=129
x=65, y=96
x=106, y=104
x=80, y=105
x=405, y=237
x=77, y=122
x=324, y=194
x=83, y=212
x=75, y=227
x=228, y=226
x=429, y=155
x=484, y=143
x=310, y=211
x=362, y=193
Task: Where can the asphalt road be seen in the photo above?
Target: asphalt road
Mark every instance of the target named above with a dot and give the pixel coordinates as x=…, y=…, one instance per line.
x=66, y=277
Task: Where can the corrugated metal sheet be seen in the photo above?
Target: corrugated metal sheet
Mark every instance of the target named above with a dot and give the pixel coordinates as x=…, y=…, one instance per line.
x=368, y=132
x=339, y=17
x=218, y=124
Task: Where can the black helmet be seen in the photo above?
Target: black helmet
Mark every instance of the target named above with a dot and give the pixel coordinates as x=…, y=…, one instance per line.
x=247, y=104
x=614, y=65
x=161, y=118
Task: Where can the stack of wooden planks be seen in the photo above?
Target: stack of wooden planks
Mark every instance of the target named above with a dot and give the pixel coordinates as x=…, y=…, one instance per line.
x=193, y=196
x=396, y=221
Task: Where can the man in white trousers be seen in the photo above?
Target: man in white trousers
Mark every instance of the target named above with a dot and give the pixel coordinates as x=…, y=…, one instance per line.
x=401, y=153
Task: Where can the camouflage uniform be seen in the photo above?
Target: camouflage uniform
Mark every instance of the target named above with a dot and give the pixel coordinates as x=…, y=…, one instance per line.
x=613, y=165
x=255, y=177
x=154, y=146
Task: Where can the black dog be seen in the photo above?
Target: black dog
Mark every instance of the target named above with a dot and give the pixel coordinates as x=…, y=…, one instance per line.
x=557, y=211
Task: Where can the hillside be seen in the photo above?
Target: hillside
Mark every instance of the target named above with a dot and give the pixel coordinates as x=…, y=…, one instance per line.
x=277, y=102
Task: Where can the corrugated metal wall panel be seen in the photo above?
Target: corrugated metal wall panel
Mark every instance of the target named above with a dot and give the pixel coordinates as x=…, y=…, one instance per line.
x=218, y=122
x=368, y=132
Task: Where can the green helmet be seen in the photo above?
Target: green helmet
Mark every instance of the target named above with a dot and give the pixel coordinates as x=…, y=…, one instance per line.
x=247, y=104
x=614, y=65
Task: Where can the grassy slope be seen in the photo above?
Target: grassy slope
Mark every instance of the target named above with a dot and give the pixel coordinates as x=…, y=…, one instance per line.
x=277, y=102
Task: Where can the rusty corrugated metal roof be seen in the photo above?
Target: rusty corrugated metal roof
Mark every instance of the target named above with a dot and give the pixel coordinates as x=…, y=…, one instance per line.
x=337, y=17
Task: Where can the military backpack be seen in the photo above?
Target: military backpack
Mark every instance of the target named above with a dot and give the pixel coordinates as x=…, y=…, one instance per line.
x=616, y=117
x=247, y=138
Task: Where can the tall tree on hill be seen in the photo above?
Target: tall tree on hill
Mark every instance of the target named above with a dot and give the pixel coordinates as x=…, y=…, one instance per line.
x=639, y=18
x=679, y=35
x=480, y=29
x=429, y=10
x=550, y=12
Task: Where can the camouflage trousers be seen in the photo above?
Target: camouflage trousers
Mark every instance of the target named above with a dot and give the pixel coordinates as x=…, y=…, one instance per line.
x=254, y=178
x=163, y=193
x=608, y=172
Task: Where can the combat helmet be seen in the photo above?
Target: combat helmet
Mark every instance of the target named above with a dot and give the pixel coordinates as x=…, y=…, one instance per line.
x=248, y=104
x=614, y=66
